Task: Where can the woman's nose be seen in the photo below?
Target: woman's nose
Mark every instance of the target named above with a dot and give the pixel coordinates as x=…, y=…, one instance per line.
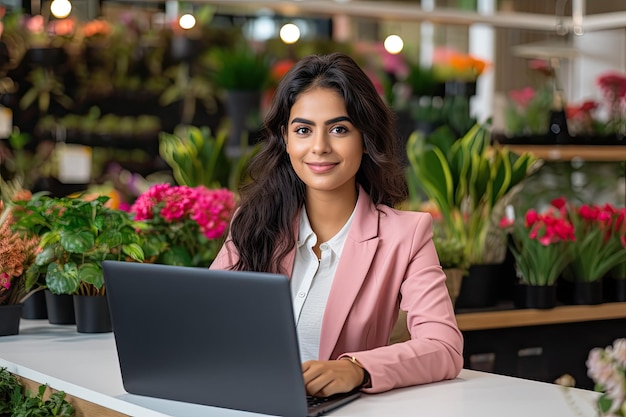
x=320, y=143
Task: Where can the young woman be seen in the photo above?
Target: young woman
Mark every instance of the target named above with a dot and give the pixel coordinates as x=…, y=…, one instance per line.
x=319, y=209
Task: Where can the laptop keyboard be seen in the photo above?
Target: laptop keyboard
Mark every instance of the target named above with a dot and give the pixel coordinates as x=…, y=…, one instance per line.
x=314, y=402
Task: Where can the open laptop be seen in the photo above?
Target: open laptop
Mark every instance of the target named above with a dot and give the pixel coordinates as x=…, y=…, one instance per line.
x=218, y=338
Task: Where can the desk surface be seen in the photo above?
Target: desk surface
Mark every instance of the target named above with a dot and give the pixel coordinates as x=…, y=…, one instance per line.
x=86, y=366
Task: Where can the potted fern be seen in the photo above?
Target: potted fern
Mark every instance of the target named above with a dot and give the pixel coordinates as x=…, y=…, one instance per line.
x=470, y=182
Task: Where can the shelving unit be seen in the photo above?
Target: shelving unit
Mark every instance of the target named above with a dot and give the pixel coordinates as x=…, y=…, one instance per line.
x=530, y=317
x=599, y=153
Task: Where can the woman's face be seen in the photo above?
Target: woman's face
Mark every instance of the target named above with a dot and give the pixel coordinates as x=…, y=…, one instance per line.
x=324, y=147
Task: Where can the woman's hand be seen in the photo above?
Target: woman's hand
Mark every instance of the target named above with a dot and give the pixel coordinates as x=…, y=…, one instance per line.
x=325, y=378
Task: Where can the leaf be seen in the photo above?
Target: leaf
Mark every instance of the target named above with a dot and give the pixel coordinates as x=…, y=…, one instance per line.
x=134, y=251
x=77, y=241
x=62, y=280
x=91, y=274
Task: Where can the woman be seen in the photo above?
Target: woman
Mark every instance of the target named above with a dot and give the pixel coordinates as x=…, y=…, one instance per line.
x=319, y=210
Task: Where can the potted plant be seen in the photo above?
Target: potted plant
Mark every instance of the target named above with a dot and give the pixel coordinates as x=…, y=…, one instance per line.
x=76, y=236
x=471, y=183
x=242, y=74
x=542, y=247
x=607, y=368
x=17, y=254
x=197, y=157
x=186, y=224
x=451, y=253
x=600, y=246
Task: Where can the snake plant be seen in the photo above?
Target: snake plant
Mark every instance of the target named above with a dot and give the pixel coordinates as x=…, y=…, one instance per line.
x=470, y=182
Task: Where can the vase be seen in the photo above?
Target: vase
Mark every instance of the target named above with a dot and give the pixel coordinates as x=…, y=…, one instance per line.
x=614, y=289
x=480, y=288
x=454, y=278
x=92, y=314
x=34, y=307
x=240, y=105
x=10, y=315
x=535, y=296
x=60, y=308
x=580, y=292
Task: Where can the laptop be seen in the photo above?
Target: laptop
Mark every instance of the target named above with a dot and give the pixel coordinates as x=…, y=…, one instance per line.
x=219, y=338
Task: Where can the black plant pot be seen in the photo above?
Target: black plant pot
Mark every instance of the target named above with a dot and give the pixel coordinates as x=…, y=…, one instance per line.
x=92, y=314
x=480, y=288
x=34, y=307
x=580, y=293
x=60, y=308
x=10, y=315
x=535, y=296
x=614, y=289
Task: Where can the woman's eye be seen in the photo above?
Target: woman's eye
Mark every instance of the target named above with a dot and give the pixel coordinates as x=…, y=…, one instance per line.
x=302, y=130
x=339, y=130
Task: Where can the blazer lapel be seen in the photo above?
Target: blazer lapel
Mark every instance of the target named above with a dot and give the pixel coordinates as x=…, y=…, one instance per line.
x=356, y=258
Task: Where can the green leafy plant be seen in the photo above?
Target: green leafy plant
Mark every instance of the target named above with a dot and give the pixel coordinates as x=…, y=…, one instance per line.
x=542, y=245
x=239, y=68
x=76, y=236
x=197, y=157
x=470, y=182
x=17, y=403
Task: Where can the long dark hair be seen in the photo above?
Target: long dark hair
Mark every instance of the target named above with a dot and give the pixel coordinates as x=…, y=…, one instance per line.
x=263, y=230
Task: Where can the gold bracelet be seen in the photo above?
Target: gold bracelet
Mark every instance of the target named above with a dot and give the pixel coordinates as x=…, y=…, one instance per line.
x=366, y=375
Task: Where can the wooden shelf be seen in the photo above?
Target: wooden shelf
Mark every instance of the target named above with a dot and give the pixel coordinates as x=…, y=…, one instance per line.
x=530, y=317
x=568, y=152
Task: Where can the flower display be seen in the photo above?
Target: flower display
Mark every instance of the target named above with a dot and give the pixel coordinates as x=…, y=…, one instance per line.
x=528, y=111
x=187, y=223
x=17, y=253
x=600, y=240
x=451, y=65
x=607, y=368
x=613, y=87
x=541, y=244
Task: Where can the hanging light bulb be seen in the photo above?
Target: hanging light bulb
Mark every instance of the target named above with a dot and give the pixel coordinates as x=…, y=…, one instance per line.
x=60, y=8
x=394, y=44
x=187, y=21
x=290, y=33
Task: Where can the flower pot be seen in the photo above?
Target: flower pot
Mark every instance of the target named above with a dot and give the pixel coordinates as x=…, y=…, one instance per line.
x=34, y=307
x=580, y=293
x=614, y=289
x=60, y=308
x=480, y=288
x=10, y=315
x=535, y=296
x=45, y=57
x=454, y=278
x=92, y=314
x=239, y=106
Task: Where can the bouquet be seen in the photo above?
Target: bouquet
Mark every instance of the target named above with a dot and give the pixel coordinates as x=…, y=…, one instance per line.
x=187, y=224
x=607, y=368
x=600, y=240
x=541, y=244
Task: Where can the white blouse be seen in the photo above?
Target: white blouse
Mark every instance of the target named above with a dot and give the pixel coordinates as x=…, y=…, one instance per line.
x=311, y=282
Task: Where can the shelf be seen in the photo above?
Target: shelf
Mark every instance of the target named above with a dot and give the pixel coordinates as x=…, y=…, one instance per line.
x=598, y=153
x=529, y=317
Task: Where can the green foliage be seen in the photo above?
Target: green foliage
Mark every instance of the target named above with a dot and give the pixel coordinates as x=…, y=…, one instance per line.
x=470, y=182
x=76, y=236
x=15, y=403
x=239, y=68
x=199, y=158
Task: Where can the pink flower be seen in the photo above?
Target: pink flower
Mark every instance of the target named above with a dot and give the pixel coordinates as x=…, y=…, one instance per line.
x=522, y=97
x=5, y=281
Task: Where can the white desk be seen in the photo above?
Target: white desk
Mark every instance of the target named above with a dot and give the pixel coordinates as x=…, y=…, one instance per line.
x=85, y=366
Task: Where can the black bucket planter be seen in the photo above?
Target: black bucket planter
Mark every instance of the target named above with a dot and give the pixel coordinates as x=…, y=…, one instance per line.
x=581, y=293
x=614, y=289
x=535, y=296
x=92, y=314
x=34, y=307
x=60, y=308
x=480, y=288
x=10, y=315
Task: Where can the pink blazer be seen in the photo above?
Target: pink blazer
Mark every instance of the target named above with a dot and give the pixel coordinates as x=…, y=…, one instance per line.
x=388, y=262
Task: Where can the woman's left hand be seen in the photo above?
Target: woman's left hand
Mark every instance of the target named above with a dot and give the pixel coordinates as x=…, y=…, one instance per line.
x=325, y=378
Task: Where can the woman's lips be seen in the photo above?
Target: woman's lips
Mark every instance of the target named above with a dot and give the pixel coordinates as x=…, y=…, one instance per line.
x=321, y=168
